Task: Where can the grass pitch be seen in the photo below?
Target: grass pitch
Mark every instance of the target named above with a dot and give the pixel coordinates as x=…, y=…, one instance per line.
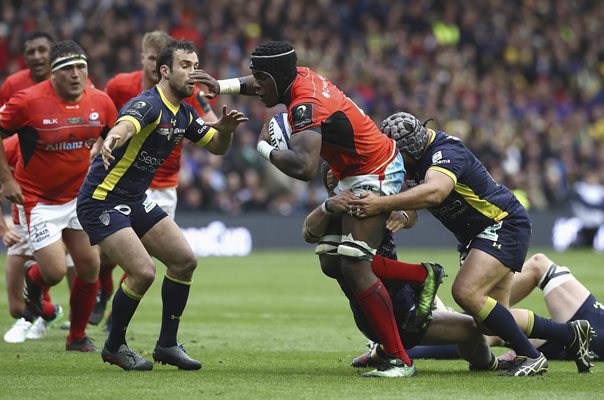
x=270, y=325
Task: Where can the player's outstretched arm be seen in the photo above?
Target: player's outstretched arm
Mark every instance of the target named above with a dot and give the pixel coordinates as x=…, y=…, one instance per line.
x=117, y=136
x=242, y=85
x=225, y=126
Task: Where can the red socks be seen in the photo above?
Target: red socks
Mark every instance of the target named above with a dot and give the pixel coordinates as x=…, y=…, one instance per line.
x=83, y=297
x=106, y=278
x=385, y=268
x=377, y=306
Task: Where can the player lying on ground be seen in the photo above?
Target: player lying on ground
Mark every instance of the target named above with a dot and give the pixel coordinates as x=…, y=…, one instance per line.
x=566, y=298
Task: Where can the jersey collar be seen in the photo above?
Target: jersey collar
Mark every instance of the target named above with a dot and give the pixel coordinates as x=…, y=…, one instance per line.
x=170, y=106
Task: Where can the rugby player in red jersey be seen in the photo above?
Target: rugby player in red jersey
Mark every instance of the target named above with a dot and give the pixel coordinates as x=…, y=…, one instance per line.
x=58, y=121
x=326, y=123
x=121, y=89
x=36, y=53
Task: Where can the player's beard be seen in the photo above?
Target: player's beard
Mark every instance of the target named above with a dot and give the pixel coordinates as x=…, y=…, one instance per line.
x=183, y=91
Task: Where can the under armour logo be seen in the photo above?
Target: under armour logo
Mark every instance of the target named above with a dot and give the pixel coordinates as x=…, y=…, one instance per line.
x=497, y=245
x=173, y=122
x=175, y=317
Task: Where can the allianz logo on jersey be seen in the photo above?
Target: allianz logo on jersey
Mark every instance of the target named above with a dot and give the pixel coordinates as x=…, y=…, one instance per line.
x=73, y=145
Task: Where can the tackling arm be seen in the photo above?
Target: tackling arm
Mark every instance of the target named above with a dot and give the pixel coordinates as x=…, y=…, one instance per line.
x=432, y=192
x=317, y=221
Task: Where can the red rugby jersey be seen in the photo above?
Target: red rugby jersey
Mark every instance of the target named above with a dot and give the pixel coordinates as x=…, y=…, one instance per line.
x=13, y=83
x=11, y=148
x=351, y=143
x=55, y=139
x=124, y=86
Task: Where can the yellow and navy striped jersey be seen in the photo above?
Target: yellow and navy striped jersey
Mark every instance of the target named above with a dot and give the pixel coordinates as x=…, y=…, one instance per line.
x=476, y=201
x=160, y=125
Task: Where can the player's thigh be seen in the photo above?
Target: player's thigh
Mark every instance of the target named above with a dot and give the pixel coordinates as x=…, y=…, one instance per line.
x=480, y=274
x=449, y=327
x=564, y=300
x=85, y=257
x=166, y=242
x=369, y=230
x=126, y=249
x=52, y=262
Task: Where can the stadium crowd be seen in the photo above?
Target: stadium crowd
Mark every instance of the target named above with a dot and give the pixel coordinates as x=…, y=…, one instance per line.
x=520, y=81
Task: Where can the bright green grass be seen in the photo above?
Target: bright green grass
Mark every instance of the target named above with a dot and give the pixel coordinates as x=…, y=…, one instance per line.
x=271, y=326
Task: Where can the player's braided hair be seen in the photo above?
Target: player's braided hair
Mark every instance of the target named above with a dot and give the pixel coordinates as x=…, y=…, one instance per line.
x=278, y=59
x=410, y=134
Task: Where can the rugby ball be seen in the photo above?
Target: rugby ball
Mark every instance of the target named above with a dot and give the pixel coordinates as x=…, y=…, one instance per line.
x=279, y=131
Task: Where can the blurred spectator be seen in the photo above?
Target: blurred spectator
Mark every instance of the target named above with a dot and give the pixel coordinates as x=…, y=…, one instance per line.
x=526, y=75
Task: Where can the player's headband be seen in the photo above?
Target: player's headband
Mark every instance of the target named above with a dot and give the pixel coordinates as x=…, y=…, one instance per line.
x=66, y=61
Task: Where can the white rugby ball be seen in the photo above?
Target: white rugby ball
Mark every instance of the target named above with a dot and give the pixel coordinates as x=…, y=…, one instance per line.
x=279, y=131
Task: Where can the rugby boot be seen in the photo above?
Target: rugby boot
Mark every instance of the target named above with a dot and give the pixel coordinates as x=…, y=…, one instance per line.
x=126, y=359
x=175, y=355
x=427, y=293
x=579, y=346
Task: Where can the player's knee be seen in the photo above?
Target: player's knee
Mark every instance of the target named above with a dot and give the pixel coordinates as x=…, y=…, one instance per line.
x=184, y=267
x=537, y=264
x=464, y=297
x=355, y=249
x=54, y=276
x=190, y=264
x=144, y=278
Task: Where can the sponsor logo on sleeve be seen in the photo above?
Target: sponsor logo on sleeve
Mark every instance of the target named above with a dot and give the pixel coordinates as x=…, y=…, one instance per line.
x=138, y=109
x=301, y=116
x=437, y=158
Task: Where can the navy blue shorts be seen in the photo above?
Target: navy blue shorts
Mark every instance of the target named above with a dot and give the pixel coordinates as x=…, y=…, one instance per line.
x=101, y=218
x=507, y=241
x=591, y=310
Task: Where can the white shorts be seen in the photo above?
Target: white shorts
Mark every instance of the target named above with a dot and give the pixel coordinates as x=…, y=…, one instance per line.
x=388, y=184
x=47, y=221
x=165, y=198
x=23, y=248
